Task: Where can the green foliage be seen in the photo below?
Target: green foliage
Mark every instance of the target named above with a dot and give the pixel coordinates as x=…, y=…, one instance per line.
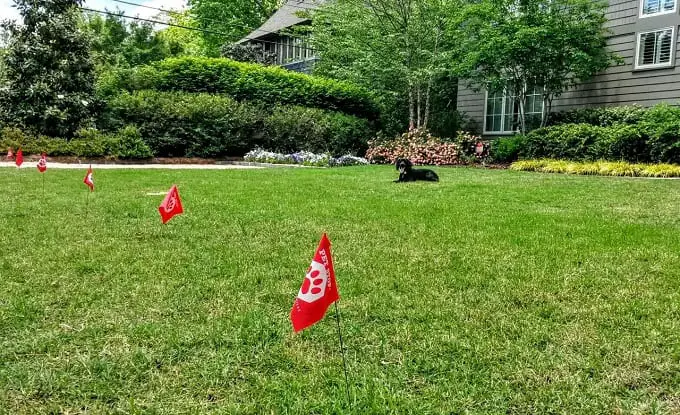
x=507, y=149
x=48, y=84
x=601, y=168
x=398, y=50
x=567, y=141
x=632, y=134
x=509, y=45
x=204, y=125
x=88, y=143
x=117, y=43
x=600, y=116
x=244, y=82
x=226, y=21
x=661, y=124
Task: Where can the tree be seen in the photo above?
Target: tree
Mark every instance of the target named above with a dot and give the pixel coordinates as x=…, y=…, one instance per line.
x=191, y=41
x=518, y=45
x=49, y=73
x=226, y=21
x=398, y=48
x=115, y=42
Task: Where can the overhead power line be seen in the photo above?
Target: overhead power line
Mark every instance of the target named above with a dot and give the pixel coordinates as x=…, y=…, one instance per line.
x=186, y=27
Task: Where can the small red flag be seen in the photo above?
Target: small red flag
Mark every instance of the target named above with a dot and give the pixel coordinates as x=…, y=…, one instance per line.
x=20, y=158
x=319, y=289
x=171, y=206
x=42, y=164
x=89, y=179
x=10, y=154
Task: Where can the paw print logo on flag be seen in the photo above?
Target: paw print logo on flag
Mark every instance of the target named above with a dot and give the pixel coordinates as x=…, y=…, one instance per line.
x=314, y=285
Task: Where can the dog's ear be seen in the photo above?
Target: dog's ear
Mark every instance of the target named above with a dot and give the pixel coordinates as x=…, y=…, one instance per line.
x=397, y=163
x=407, y=163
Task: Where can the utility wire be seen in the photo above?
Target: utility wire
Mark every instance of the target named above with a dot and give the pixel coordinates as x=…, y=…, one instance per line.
x=201, y=19
x=187, y=27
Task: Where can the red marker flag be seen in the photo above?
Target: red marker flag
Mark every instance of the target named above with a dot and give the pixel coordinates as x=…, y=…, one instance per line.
x=171, y=206
x=42, y=164
x=318, y=290
x=10, y=154
x=89, y=179
x=20, y=158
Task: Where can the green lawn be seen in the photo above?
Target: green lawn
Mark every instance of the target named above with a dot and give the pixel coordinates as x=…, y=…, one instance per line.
x=490, y=292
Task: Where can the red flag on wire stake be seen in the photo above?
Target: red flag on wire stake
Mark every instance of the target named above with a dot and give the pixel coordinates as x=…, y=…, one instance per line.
x=89, y=179
x=10, y=154
x=42, y=164
x=319, y=289
x=20, y=158
x=171, y=206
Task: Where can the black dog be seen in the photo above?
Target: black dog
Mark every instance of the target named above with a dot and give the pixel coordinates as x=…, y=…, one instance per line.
x=408, y=174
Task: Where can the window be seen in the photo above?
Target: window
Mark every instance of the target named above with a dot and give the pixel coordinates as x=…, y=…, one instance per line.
x=654, y=7
x=502, y=111
x=655, y=49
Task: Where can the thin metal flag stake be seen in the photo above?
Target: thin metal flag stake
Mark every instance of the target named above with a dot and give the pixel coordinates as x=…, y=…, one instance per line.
x=43, y=180
x=342, y=350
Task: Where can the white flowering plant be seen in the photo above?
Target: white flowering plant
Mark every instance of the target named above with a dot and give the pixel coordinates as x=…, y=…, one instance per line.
x=304, y=158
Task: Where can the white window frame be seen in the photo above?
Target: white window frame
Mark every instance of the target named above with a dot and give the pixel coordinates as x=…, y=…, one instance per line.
x=503, y=115
x=671, y=60
x=642, y=10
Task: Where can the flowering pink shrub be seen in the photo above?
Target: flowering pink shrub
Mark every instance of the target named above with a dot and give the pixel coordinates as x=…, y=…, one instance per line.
x=420, y=147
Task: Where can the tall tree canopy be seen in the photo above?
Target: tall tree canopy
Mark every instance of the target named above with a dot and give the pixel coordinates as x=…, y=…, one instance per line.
x=519, y=45
x=49, y=72
x=117, y=42
x=229, y=20
x=398, y=48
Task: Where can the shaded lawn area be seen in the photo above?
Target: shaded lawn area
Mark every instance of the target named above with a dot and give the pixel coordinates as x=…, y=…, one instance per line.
x=490, y=292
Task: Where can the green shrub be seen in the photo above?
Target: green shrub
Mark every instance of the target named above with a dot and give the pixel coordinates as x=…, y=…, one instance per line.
x=625, y=142
x=243, y=82
x=507, y=149
x=602, y=168
x=601, y=116
x=661, y=124
x=178, y=124
x=88, y=143
x=567, y=141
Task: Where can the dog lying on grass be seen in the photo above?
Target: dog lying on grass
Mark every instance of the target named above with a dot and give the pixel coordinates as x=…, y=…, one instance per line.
x=408, y=174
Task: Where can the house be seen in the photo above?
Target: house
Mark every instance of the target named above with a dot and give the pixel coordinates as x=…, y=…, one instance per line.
x=276, y=35
x=644, y=34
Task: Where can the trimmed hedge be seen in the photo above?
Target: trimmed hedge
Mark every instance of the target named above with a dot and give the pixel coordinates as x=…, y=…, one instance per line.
x=123, y=144
x=600, y=168
x=600, y=116
x=243, y=82
x=653, y=137
x=178, y=124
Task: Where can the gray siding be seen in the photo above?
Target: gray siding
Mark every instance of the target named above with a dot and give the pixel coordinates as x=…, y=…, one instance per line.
x=618, y=85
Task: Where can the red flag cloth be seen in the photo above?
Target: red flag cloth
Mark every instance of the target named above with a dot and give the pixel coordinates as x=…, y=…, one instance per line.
x=42, y=164
x=89, y=179
x=171, y=206
x=319, y=289
x=10, y=154
x=20, y=158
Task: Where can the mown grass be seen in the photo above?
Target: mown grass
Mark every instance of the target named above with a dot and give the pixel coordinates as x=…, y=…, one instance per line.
x=490, y=292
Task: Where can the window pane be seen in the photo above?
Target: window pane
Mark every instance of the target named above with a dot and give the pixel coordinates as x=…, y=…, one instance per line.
x=668, y=5
x=655, y=47
x=651, y=6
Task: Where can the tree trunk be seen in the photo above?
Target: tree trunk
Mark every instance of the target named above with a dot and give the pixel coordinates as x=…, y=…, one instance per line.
x=411, y=112
x=547, y=109
x=428, y=92
x=419, y=95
